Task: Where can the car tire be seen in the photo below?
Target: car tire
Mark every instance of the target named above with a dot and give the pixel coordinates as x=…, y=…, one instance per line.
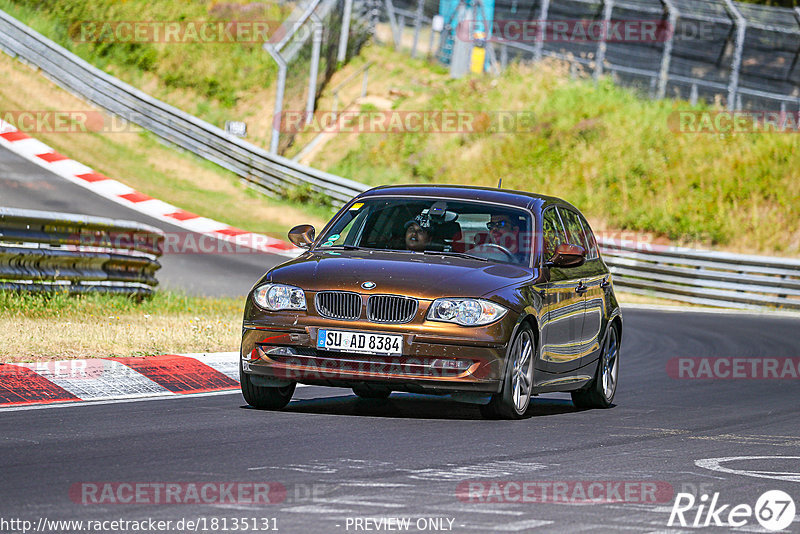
x=371, y=392
x=513, y=400
x=263, y=397
x=601, y=390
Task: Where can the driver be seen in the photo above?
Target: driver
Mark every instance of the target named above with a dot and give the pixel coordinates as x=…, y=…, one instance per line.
x=504, y=231
x=418, y=233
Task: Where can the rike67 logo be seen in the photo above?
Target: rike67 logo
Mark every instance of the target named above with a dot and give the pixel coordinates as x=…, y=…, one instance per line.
x=774, y=510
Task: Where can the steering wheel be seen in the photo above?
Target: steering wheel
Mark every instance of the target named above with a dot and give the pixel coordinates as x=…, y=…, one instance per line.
x=483, y=248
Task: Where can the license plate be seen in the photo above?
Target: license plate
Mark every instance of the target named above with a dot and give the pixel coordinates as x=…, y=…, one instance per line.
x=360, y=342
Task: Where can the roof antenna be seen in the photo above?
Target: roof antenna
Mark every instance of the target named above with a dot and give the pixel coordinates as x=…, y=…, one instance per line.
x=500, y=183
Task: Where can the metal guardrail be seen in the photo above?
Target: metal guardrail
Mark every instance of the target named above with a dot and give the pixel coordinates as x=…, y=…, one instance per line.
x=273, y=173
x=42, y=251
x=705, y=277
x=709, y=278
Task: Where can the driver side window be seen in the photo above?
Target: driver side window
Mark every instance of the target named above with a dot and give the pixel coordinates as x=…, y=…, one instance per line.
x=552, y=232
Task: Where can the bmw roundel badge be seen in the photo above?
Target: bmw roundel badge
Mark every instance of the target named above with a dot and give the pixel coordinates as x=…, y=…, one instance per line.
x=368, y=285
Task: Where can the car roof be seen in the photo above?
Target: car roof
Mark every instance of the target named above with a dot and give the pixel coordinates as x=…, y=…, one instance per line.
x=510, y=197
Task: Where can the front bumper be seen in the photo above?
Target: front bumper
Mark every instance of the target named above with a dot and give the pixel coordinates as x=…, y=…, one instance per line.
x=432, y=361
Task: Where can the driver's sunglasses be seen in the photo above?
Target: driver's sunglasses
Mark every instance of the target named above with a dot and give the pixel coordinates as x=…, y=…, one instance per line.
x=496, y=224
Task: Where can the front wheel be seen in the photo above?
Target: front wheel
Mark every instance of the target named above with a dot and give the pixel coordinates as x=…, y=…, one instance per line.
x=513, y=400
x=264, y=397
x=600, y=392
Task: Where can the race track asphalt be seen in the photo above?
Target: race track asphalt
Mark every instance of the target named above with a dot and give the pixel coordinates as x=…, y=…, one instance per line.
x=341, y=458
x=25, y=185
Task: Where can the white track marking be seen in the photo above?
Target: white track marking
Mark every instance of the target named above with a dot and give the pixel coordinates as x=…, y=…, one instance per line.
x=313, y=509
x=714, y=464
x=156, y=208
x=31, y=147
x=497, y=468
x=521, y=525
x=202, y=225
x=103, y=380
x=490, y=511
x=361, y=503
x=69, y=167
x=109, y=188
x=69, y=404
x=226, y=363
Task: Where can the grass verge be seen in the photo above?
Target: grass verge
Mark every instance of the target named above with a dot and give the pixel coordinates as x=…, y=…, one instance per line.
x=207, y=77
x=58, y=326
x=600, y=146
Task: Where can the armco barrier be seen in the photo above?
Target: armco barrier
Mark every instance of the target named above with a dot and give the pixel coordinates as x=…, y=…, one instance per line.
x=276, y=174
x=709, y=278
x=705, y=277
x=43, y=251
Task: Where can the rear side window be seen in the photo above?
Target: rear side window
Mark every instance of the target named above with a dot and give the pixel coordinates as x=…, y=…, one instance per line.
x=592, y=242
x=575, y=233
x=552, y=232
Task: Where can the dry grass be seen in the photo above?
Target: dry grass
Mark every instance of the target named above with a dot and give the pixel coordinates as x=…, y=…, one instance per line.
x=46, y=328
x=24, y=340
x=390, y=83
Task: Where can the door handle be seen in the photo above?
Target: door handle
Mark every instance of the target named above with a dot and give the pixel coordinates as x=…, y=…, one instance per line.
x=581, y=288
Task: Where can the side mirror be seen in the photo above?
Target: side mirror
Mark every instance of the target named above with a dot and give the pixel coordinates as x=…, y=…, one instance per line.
x=302, y=235
x=568, y=255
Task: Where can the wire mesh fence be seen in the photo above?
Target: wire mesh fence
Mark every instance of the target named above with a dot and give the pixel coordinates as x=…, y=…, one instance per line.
x=411, y=25
x=743, y=56
x=317, y=37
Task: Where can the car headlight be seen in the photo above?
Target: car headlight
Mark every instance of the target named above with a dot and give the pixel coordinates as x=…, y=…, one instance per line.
x=277, y=297
x=466, y=312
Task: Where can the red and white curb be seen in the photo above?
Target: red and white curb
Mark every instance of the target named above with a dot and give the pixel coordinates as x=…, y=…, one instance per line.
x=42, y=155
x=99, y=379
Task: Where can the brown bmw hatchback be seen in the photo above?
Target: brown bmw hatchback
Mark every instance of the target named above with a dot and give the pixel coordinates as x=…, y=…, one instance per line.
x=489, y=296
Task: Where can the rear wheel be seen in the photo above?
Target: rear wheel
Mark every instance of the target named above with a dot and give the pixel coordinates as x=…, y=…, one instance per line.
x=513, y=400
x=372, y=392
x=600, y=392
x=265, y=397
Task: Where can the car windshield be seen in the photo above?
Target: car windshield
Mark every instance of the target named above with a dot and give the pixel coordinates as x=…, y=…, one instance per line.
x=434, y=226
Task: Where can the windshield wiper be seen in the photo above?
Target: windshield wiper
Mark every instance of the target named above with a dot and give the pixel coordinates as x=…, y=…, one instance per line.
x=454, y=254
